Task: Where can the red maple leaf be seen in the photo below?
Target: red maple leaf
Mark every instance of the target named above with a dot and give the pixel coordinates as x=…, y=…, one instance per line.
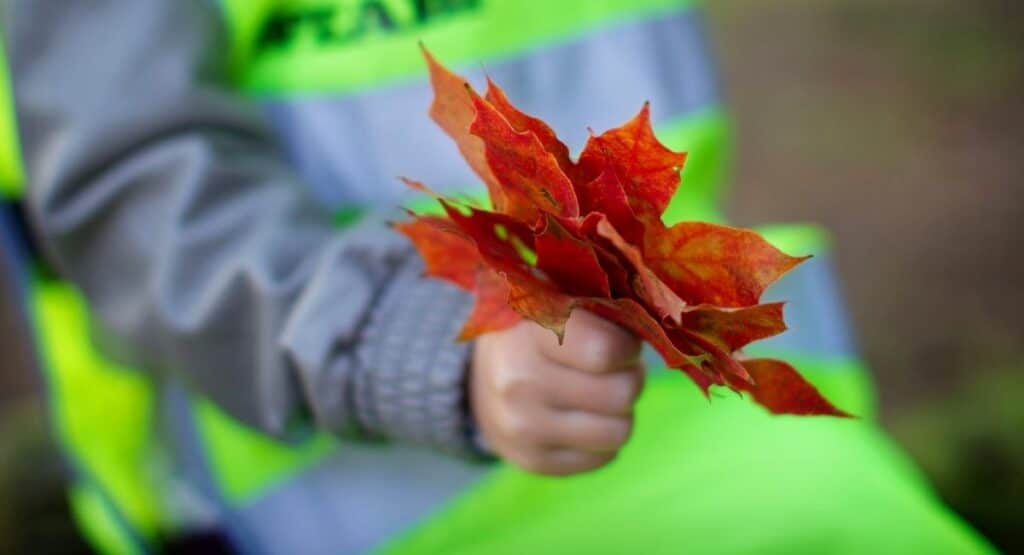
x=588, y=234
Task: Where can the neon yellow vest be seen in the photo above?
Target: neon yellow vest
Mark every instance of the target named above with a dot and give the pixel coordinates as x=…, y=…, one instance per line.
x=282, y=49
x=308, y=48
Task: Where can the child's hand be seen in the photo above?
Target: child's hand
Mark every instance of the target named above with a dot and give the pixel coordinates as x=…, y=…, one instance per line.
x=557, y=409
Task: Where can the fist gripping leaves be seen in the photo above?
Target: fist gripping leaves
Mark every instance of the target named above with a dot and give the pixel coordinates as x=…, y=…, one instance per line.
x=551, y=408
x=588, y=234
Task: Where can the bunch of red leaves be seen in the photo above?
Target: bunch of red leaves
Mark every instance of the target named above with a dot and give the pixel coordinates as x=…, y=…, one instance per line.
x=588, y=234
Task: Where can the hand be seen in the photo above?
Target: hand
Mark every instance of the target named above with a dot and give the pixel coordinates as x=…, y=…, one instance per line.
x=557, y=409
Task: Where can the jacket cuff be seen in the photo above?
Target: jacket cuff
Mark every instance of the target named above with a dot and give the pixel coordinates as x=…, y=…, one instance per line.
x=409, y=380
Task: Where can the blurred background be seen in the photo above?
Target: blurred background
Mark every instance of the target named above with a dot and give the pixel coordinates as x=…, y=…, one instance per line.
x=899, y=125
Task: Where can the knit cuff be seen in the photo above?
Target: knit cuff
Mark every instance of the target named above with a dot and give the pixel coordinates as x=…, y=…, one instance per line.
x=410, y=373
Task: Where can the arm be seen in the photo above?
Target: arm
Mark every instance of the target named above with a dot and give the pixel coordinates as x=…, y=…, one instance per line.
x=159, y=193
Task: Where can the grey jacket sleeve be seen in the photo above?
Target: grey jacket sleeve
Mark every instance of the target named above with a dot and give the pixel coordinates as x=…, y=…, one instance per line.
x=159, y=193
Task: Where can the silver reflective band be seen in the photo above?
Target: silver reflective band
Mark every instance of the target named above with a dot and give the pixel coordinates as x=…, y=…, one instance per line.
x=356, y=499
x=191, y=463
x=352, y=500
x=352, y=148
x=817, y=320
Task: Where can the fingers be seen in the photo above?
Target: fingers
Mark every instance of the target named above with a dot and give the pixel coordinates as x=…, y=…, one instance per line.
x=554, y=409
x=569, y=443
x=560, y=462
x=545, y=384
x=609, y=394
x=582, y=431
x=526, y=425
x=591, y=344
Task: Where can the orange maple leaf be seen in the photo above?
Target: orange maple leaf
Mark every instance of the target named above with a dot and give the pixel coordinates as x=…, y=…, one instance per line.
x=588, y=234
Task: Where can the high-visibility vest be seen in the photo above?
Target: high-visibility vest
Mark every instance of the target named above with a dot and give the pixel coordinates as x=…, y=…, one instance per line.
x=320, y=66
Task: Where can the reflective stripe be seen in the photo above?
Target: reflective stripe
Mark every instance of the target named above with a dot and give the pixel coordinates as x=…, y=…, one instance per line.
x=359, y=498
x=288, y=47
x=352, y=500
x=189, y=454
x=226, y=441
x=817, y=320
x=10, y=153
x=352, y=148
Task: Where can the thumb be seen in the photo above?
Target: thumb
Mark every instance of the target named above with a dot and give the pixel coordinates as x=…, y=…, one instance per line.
x=591, y=344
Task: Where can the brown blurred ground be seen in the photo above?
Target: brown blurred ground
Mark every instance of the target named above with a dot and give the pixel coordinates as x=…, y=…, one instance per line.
x=900, y=126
